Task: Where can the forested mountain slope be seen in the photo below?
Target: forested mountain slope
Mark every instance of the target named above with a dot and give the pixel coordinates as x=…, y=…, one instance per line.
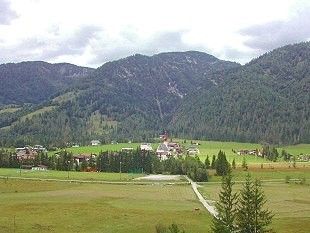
x=34, y=82
x=266, y=100
x=129, y=99
x=190, y=94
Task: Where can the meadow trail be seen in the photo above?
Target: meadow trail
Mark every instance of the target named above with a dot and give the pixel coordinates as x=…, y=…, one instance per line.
x=204, y=202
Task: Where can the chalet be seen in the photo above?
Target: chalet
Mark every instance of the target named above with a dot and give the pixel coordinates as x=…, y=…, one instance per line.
x=39, y=148
x=146, y=147
x=192, y=151
x=23, y=155
x=83, y=157
x=163, y=150
x=39, y=168
x=250, y=152
x=127, y=149
x=95, y=142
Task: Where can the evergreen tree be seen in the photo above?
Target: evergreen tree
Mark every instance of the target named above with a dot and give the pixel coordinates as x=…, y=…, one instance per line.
x=207, y=162
x=244, y=164
x=222, y=166
x=226, y=208
x=251, y=217
x=233, y=164
x=213, y=162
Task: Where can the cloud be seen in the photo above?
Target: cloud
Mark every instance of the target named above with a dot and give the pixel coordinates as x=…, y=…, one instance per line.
x=73, y=44
x=6, y=13
x=52, y=47
x=275, y=34
x=130, y=43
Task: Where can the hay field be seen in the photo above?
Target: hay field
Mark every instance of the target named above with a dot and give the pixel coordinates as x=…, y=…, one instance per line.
x=49, y=206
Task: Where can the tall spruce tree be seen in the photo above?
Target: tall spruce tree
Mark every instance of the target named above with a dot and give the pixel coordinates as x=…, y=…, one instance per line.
x=251, y=217
x=213, y=162
x=222, y=166
x=207, y=162
x=226, y=208
x=233, y=164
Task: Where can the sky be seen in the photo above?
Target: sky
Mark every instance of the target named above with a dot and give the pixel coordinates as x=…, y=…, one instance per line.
x=93, y=32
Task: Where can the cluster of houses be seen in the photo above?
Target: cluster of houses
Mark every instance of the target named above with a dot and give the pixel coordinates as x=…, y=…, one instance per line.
x=29, y=152
x=250, y=152
x=165, y=149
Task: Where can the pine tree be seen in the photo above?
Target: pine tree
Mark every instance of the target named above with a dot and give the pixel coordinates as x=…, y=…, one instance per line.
x=233, y=164
x=222, y=166
x=226, y=208
x=207, y=162
x=244, y=164
x=213, y=162
x=251, y=217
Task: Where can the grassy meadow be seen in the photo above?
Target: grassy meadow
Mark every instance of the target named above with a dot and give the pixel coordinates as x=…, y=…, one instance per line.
x=206, y=147
x=288, y=201
x=38, y=206
x=48, y=205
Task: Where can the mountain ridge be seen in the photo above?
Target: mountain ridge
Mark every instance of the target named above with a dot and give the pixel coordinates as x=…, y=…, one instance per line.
x=191, y=94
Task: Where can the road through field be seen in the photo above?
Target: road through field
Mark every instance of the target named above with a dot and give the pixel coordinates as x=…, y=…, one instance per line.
x=210, y=208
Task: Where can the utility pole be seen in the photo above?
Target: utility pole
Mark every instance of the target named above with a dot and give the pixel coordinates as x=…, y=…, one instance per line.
x=120, y=170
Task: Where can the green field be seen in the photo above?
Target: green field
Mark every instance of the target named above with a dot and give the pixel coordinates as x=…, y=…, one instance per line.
x=67, y=206
x=206, y=147
x=36, y=206
x=65, y=175
x=288, y=201
x=113, y=206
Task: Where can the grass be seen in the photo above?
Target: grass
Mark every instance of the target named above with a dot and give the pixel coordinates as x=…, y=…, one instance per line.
x=297, y=149
x=42, y=110
x=96, y=149
x=274, y=171
x=9, y=110
x=36, y=206
x=63, y=175
x=50, y=206
x=97, y=122
x=65, y=97
x=209, y=148
x=288, y=201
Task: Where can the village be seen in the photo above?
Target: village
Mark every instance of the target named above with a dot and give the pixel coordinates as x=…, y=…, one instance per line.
x=26, y=156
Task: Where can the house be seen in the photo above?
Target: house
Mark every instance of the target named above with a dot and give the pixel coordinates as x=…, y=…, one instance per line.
x=83, y=157
x=95, y=142
x=127, y=149
x=146, y=146
x=163, y=151
x=192, y=151
x=39, y=168
x=23, y=155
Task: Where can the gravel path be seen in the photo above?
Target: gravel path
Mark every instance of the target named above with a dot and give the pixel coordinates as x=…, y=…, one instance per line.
x=210, y=208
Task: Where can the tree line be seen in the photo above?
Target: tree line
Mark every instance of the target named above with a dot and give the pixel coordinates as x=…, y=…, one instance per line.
x=113, y=161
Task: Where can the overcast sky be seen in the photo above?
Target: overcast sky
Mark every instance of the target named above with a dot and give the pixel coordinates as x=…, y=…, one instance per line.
x=92, y=32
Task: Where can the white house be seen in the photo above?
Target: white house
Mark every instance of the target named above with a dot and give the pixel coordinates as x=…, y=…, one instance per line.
x=39, y=168
x=146, y=146
x=95, y=142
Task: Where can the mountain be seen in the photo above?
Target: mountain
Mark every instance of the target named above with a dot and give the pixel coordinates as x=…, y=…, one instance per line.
x=190, y=94
x=34, y=82
x=133, y=98
x=267, y=100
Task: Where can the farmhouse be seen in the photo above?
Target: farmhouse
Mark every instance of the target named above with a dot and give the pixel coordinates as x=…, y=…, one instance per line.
x=192, y=151
x=250, y=152
x=39, y=168
x=95, y=142
x=163, y=150
x=146, y=147
x=83, y=157
x=127, y=149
